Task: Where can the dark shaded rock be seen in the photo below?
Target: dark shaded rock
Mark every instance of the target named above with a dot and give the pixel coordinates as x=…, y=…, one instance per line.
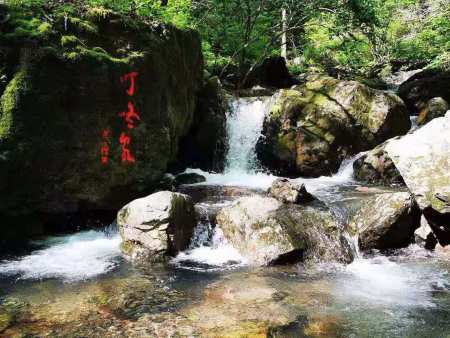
x=287, y=192
x=189, y=178
x=265, y=231
x=376, y=167
x=424, y=235
x=58, y=102
x=435, y=107
x=155, y=226
x=386, y=221
x=439, y=223
x=205, y=145
x=422, y=87
x=311, y=128
x=271, y=72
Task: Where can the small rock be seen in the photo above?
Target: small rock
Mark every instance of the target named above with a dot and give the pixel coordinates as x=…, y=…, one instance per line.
x=288, y=192
x=435, y=107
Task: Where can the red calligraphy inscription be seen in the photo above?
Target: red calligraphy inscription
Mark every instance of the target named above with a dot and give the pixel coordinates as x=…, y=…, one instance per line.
x=131, y=77
x=125, y=141
x=104, y=150
x=130, y=115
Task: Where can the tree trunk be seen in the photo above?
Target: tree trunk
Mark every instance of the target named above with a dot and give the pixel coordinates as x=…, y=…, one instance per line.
x=284, y=34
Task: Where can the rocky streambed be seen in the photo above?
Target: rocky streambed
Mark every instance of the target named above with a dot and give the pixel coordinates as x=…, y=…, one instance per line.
x=81, y=284
x=212, y=290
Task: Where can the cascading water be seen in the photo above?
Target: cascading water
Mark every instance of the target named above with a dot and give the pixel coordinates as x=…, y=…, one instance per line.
x=244, y=125
x=75, y=257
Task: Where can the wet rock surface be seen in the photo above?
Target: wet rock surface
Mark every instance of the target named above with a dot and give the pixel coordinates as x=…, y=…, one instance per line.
x=157, y=225
x=267, y=232
x=204, y=146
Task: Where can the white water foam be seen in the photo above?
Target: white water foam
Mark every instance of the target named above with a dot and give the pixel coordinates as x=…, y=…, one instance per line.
x=218, y=255
x=72, y=258
x=380, y=281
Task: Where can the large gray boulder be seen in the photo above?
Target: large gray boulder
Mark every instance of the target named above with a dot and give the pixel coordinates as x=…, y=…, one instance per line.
x=423, y=160
x=311, y=128
x=265, y=231
x=156, y=226
x=386, y=221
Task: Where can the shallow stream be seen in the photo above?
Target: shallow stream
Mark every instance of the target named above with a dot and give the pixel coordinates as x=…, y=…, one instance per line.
x=79, y=285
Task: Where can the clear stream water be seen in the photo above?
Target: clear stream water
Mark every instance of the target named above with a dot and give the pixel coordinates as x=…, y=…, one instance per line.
x=80, y=286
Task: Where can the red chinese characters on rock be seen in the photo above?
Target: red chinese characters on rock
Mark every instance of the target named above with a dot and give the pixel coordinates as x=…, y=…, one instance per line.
x=131, y=117
x=124, y=141
x=131, y=77
x=104, y=150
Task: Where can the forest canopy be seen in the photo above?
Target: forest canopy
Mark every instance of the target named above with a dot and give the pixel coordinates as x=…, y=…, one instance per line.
x=353, y=37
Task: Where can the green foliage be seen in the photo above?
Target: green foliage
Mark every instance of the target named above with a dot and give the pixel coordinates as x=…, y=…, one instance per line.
x=415, y=36
x=354, y=37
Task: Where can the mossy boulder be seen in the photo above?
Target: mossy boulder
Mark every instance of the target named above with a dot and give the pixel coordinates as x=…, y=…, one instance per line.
x=311, y=128
x=265, y=231
x=64, y=90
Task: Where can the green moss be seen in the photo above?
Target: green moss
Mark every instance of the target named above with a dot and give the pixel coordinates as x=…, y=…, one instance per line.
x=69, y=40
x=44, y=28
x=8, y=102
x=82, y=26
x=98, y=54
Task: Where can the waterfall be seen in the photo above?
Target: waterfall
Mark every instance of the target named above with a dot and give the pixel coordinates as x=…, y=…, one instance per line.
x=244, y=126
